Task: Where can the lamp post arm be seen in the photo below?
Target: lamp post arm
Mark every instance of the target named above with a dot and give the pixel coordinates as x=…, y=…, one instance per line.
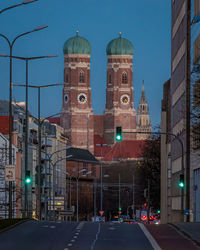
x=6, y=39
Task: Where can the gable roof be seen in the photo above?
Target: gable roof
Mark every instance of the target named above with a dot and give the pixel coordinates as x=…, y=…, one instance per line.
x=81, y=155
x=126, y=150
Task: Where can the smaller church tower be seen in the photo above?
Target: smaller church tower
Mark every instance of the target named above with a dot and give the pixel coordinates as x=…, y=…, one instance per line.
x=143, y=117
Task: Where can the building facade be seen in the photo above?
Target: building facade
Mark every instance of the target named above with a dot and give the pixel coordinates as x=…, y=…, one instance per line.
x=180, y=103
x=78, y=119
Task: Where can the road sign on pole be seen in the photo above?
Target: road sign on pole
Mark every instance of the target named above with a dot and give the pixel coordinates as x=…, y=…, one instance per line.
x=101, y=212
x=10, y=173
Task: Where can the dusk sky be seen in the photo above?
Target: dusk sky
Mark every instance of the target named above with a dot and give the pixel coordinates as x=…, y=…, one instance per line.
x=146, y=23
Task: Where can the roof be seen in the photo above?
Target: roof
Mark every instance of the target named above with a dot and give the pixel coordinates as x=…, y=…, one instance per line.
x=119, y=46
x=82, y=155
x=97, y=148
x=54, y=120
x=125, y=150
x=77, y=45
x=4, y=125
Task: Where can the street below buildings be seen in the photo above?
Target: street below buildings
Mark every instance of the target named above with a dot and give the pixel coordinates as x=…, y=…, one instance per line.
x=43, y=235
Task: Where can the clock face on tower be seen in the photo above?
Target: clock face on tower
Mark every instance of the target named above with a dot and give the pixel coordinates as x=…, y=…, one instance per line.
x=125, y=99
x=82, y=98
x=66, y=98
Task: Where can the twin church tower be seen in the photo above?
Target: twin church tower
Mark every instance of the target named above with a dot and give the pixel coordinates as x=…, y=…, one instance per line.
x=80, y=123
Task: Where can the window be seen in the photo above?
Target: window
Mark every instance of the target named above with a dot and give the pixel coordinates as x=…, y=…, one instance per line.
x=109, y=78
x=124, y=77
x=196, y=95
x=81, y=77
x=66, y=78
x=196, y=7
x=196, y=50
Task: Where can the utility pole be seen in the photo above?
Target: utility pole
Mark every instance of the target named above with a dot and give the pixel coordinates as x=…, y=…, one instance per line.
x=188, y=99
x=133, y=206
x=148, y=201
x=119, y=193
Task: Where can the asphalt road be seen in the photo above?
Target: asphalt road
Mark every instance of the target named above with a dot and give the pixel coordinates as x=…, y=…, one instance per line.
x=34, y=235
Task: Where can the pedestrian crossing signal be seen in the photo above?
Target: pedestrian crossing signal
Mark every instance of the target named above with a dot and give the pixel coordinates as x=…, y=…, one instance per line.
x=118, y=135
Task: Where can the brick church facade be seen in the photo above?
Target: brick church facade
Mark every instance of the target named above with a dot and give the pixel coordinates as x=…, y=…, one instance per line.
x=83, y=128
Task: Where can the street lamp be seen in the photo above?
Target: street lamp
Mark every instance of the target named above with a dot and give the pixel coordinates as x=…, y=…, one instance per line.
x=101, y=175
x=17, y=5
x=11, y=44
x=39, y=131
x=27, y=59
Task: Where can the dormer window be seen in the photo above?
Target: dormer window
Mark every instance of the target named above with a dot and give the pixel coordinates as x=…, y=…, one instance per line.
x=81, y=77
x=124, y=77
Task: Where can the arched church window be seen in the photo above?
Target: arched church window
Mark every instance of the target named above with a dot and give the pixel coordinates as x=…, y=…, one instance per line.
x=66, y=78
x=124, y=77
x=81, y=77
x=109, y=78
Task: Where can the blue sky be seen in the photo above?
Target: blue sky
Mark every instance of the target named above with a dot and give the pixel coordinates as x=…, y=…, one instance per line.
x=146, y=23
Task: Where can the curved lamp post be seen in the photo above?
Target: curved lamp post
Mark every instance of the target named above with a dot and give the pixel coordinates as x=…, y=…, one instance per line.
x=11, y=44
x=17, y=5
x=27, y=59
x=39, y=131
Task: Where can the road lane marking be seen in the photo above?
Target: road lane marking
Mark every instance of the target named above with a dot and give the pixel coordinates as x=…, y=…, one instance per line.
x=69, y=244
x=52, y=226
x=97, y=235
x=77, y=233
x=75, y=237
x=149, y=237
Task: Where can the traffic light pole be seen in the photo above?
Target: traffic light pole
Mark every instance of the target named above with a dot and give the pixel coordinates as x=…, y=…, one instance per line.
x=182, y=157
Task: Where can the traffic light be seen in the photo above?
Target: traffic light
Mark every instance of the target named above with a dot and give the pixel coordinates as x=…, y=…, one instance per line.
x=181, y=181
x=28, y=177
x=118, y=135
x=158, y=211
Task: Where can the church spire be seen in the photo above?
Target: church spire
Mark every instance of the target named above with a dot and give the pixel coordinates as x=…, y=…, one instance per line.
x=143, y=117
x=143, y=98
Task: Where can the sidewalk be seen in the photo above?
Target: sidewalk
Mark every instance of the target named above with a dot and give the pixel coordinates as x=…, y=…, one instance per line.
x=169, y=238
x=191, y=229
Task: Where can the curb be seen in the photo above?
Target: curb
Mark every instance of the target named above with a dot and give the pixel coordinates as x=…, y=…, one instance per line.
x=186, y=234
x=14, y=225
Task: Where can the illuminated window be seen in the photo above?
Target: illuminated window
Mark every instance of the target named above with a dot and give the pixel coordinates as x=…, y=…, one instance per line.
x=81, y=77
x=124, y=77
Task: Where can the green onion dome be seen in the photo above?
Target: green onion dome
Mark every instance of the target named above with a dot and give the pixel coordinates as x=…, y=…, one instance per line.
x=119, y=46
x=77, y=45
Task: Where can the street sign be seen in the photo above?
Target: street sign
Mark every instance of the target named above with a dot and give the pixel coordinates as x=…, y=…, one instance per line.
x=10, y=173
x=187, y=211
x=101, y=212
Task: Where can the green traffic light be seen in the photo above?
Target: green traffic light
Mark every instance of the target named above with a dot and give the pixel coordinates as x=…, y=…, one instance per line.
x=28, y=180
x=118, y=138
x=158, y=211
x=181, y=184
x=118, y=135
x=27, y=177
x=181, y=181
